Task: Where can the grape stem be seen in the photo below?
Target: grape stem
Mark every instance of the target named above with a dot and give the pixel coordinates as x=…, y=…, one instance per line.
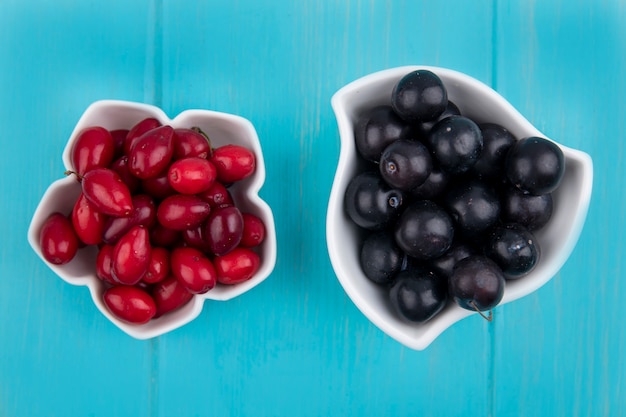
x=489, y=318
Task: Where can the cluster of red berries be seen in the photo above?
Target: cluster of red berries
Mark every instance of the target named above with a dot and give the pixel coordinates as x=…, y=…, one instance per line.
x=156, y=202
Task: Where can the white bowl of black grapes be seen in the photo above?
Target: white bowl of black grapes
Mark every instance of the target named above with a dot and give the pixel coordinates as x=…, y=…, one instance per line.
x=446, y=202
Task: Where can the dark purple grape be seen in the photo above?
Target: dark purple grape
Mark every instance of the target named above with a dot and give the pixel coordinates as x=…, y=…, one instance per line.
x=370, y=202
x=375, y=130
x=223, y=229
x=424, y=128
x=418, y=297
x=444, y=265
x=433, y=187
x=477, y=283
x=405, y=164
x=424, y=230
x=532, y=211
x=474, y=206
x=381, y=258
x=419, y=96
x=514, y=249
x=456, y=142
x=496, y=143
x=535, y=165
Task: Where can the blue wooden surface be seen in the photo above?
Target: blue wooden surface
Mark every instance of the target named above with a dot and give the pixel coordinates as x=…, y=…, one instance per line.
x=296, y=345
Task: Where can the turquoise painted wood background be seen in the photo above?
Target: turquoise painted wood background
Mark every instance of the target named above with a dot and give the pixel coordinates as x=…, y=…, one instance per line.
x=296, y=345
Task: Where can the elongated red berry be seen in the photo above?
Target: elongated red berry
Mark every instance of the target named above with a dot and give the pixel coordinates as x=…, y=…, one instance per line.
x=152, y=152
x=106, y=190
x=217, y=195
x=190, y=142
x=237, y=266
x=131, y=256
x=58, y=239
x=223, y=229
x=193, y=269
x=180, y=212
x=233, y=163
x=138, y=130
x=253, y=230
x=104, y=263
x=159, y=267
x=87, y=221
x=191, y=175
x=144, y=214
x=130, y=304
x=170, y=295
x=94, y=147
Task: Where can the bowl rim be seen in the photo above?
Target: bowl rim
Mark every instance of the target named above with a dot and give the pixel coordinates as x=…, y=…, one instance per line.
x=431, y=331
x=251, y=194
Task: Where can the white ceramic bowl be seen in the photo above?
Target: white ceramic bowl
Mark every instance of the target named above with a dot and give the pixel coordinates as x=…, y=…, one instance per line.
x=222, y=129
x=481, y=103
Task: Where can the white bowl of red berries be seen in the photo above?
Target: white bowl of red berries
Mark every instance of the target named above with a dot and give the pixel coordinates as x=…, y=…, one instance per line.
x=446, y=201
x=157, y=215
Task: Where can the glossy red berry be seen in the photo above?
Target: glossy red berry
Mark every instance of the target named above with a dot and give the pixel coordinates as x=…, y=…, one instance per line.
x=144, y=214
x=253, y=231
x=130, y=304
x=233, y=163
x=138, y=130
x=120, y=165
x=170, y=295
x=159, y=267
x=237, y=266
x=217, y=195
x=119, y=138
x=223, y=229
x=193, y=269
x=105, y=189
x=180, y=212
x=131, y=256
x=158, y=186
x=104, y=263
x=94, y=147
x=162, y=236
x=58, y=239
x=191, y=175
x=87, y=221
x=151, y=153
x=190, y=142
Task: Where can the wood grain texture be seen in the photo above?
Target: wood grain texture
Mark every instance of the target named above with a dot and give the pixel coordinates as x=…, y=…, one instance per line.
x=296, y=345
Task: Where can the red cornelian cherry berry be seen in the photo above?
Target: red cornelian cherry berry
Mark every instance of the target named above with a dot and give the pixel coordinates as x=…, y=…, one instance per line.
x=233, y=163
x=223, y=229
x=237, y=266
x=144, y=214
x=191, y=175
x=105, y=189
x=104, y=263
x=131, y=256
x=190, y=142
x=180, y=212
x=158, y=187
x=194, y=238
x=170, y=295
x=120, y=165
x=130, y=304
x=94, y=147
x=87, y=221
x=152, y=152
x=193, y=269
x=58, y=240
x=159, y=267
x=138, y=130
x=119, y=138
x=253, y=231
x=217, y=195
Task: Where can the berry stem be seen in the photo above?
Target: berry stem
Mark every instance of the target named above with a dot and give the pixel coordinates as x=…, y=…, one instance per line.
x=489, y=318
x=70, y=172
